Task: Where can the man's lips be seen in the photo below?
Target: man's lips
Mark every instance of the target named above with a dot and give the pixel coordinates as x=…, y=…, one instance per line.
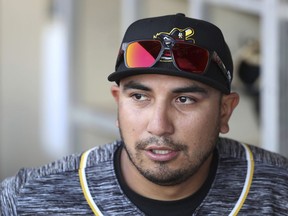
x=161, y=154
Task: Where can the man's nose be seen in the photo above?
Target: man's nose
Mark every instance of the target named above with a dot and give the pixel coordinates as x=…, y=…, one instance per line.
x=160, y=121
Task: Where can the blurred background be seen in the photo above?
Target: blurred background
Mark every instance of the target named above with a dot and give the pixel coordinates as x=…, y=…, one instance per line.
x=55, y=56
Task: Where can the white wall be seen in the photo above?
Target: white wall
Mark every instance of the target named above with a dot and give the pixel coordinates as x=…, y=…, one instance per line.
x=21, y=25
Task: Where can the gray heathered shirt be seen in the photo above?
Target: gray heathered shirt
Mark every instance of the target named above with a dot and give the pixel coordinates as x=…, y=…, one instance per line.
x=55, y=189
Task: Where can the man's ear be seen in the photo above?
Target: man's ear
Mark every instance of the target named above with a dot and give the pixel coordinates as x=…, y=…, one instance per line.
x=228, y=104
x=115, y=90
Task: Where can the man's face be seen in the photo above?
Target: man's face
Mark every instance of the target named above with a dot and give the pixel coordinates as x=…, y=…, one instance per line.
x=169, y=125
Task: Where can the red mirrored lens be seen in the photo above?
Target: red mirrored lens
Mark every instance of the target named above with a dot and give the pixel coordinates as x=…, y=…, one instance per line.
x=190, y=58
x=142, y=53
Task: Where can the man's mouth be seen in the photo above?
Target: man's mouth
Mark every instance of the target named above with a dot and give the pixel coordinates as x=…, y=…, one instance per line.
x=161, y=154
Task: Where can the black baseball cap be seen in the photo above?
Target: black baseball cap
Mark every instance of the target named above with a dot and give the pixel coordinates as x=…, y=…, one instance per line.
x=202, y=34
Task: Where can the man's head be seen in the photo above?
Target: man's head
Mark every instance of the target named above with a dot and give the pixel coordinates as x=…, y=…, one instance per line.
x=176, y=45
x=169, y=114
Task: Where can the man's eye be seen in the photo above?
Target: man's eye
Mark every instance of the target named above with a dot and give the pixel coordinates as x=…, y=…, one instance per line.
x=139, y=97
x=185, y=100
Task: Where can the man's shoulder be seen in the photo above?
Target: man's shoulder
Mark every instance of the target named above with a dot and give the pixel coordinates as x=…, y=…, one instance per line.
x=65, y=169
x=68, y=163
x=248, y=176
x=229, y=148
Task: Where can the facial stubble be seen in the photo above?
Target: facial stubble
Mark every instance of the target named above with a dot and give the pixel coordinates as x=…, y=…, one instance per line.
x=161, y=173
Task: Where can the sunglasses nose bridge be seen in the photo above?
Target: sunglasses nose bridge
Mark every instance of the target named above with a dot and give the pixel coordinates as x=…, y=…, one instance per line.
x=168, y=43
x=166, y=53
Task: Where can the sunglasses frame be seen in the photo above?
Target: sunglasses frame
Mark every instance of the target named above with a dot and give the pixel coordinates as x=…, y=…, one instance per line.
x=167, y=43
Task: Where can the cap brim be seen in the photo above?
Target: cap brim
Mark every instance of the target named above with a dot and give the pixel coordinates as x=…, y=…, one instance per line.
x=118, y=75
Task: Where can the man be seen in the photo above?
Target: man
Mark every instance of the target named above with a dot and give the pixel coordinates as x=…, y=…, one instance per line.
x=174, y=97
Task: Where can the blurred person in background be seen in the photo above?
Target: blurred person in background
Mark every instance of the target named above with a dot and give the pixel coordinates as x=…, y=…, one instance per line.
x=173, y=92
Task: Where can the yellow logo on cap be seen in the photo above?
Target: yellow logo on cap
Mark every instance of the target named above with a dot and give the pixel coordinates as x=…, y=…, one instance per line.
x=179, y=34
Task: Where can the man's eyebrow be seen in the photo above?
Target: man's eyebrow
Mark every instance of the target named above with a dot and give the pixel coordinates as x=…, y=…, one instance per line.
x=135, y=85
x=139, y=86
x=192, y=89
